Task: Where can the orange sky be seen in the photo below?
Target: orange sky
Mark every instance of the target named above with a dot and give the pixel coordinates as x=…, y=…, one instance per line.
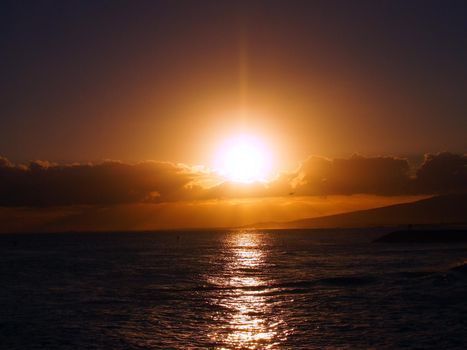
x=364, y=100
x=171, y=81
x=197, y=214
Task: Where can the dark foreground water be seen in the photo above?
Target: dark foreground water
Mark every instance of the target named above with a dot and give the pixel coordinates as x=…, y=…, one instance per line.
x=230, y=290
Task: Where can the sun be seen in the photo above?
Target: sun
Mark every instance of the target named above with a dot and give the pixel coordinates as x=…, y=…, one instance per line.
x=244, y=158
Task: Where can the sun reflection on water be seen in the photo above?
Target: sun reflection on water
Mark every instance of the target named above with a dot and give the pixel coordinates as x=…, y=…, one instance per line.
x=247, y=320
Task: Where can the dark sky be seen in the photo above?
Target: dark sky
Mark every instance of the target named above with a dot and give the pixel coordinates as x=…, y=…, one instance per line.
x=136, y=80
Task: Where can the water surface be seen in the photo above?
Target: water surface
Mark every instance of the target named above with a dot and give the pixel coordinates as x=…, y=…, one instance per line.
x=296, y=289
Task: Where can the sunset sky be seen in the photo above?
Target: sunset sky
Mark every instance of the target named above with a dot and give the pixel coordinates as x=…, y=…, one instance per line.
x=147, y=114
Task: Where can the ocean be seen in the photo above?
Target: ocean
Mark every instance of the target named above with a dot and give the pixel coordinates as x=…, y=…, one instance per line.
x=238, y=289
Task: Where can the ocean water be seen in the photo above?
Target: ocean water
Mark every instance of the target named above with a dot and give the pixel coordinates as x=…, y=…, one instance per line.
x=291, y=289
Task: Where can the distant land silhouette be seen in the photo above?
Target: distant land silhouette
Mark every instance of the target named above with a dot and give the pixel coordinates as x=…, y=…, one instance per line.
x=439, y=210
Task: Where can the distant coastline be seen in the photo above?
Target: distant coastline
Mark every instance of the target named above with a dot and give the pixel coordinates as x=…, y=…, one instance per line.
x=441, y=211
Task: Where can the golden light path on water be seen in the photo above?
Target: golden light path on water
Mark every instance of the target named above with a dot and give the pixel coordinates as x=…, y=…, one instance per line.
x=247, y=320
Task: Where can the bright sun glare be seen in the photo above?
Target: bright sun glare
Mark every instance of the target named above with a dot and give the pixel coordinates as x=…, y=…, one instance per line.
x=244, y=158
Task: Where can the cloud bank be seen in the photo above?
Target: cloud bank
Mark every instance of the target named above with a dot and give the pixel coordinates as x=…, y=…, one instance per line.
x=44, y=184
x=357, y=174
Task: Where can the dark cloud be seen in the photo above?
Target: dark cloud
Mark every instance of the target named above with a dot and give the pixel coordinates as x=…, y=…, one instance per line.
x=43, y=184
x=442, y=173
x=376, y=175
